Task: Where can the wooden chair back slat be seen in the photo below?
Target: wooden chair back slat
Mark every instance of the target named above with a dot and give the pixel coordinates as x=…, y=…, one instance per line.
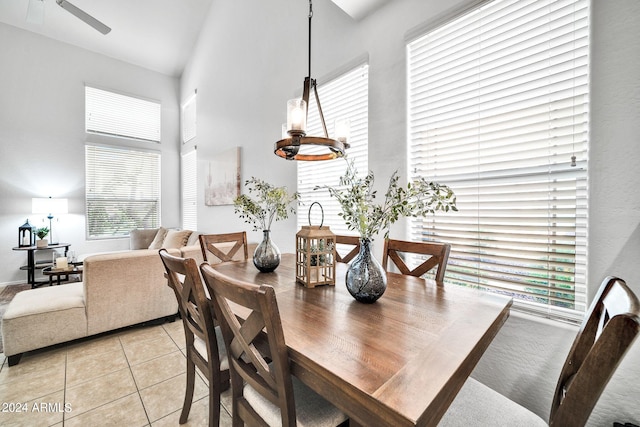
x=210, y=244
x=348, y=240
x=198, y=319
x=269, y=373
x=438, y=256
x=610, y=326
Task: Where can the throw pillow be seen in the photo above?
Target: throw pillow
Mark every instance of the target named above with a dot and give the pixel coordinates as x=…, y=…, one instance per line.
x=157, y=241
x=176, y=239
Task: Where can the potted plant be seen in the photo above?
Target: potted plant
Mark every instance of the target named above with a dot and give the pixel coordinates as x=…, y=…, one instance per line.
x=270, y=204
x=365, y=279
x=42, y=233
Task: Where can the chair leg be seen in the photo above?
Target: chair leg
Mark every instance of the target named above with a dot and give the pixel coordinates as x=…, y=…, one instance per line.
x=214, y=403
x=188, y=394
x=236, y=392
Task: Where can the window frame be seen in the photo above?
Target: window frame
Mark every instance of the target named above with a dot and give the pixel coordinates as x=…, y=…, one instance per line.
x=116, y=157
x=116, y=114
x=436, y=130
x=189, y=193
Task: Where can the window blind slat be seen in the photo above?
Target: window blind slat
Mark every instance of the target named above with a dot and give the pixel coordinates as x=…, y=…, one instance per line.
x=114, y=114
x=122, y=190
x=498, y=104
x=344, y=97
x=189, y=190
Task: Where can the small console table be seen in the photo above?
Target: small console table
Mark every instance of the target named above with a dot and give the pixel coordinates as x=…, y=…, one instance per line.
x=32, y=265
x=62, y=275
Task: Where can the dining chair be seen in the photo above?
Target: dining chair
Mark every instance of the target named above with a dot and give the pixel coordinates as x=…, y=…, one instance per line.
x=438, y=252
x=608, y=330
x=263, y=390
x=348, y=240
x=214, y=244
x=204, y=346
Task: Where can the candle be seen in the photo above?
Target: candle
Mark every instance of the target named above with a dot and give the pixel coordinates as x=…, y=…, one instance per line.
x=296, y=115
x=61, y=262
x=296, y=118
x=342, y=129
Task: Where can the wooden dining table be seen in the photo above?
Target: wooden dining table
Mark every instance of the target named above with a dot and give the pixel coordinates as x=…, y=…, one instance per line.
x=397, y=362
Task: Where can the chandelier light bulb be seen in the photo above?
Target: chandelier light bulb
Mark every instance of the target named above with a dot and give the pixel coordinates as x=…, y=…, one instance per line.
x=342, y=129
x=296, y=115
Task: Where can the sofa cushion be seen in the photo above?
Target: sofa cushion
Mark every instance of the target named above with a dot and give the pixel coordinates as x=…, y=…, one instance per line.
x=141, y=238
x=194, y=239
x=158, y=239
x=123, y=289
x=45, y=316
x=176, y=239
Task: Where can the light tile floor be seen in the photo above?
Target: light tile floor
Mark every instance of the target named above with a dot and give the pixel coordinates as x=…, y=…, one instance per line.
x=134, y=377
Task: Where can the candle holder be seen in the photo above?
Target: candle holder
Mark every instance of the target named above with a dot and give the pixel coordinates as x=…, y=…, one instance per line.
x=26, y=235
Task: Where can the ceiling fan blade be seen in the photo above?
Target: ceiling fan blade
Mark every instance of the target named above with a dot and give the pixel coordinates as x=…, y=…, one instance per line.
x=35, y=12
x=84, y=16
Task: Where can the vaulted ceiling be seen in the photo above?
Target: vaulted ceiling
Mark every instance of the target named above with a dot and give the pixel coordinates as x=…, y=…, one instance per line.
x=155, y=34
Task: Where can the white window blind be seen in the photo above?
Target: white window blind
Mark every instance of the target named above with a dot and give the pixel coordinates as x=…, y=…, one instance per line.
x=343, y=97
x=188, y=118
x=122, y=190
x=498, y=105
x=189, y=190
x=114, y=114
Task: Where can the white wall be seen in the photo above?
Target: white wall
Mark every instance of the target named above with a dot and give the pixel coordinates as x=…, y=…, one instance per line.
x=250, y=59
x=249, y=62
x=42, y=137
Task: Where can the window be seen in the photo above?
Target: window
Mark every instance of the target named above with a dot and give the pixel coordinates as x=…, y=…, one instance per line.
x=114, y=114
x=122, y=190
x=188, y=118
x=498, y=105
x=189, y=190
x=345, y=97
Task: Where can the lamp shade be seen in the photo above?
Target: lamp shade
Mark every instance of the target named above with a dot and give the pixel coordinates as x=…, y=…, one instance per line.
x=49, y=205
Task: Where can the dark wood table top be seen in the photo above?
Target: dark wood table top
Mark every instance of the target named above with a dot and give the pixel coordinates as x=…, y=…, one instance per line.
x=399, y=361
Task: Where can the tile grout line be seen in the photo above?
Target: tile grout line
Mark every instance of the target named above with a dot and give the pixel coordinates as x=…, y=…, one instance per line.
x=64, y=390
x=144, y=408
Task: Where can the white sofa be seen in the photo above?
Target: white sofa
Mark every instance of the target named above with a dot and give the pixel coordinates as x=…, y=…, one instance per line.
x=118, y=289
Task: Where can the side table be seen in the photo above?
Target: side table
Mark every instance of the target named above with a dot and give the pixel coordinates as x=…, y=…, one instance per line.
x=62, y=274
x=31, y=260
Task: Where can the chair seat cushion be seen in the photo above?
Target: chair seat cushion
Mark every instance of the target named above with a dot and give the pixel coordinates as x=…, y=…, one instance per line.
x=479, y=405
x=202, y=349
x=311, y=409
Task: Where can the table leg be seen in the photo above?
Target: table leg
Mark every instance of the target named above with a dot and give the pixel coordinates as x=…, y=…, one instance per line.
x=31, y=267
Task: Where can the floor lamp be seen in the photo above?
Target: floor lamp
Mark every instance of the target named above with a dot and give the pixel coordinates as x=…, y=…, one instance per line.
x=49, y=206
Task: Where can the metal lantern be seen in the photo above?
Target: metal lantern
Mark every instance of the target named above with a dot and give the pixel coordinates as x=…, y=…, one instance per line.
x=26, y=235
x=315, y=254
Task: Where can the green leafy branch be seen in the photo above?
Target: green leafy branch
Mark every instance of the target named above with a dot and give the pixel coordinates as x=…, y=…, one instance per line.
x=271, y=204
x=360, y=212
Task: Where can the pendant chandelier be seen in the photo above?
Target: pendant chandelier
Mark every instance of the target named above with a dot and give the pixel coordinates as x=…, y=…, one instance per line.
x=296, y=137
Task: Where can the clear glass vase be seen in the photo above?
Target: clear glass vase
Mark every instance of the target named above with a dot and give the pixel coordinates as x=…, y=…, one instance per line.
x=266, y=257
x=366, y=280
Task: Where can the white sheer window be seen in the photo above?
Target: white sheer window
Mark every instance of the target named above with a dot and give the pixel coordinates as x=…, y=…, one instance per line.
x=122, y=190
x=115, y=114
x=343, y=97
x=188, y=118
x=498, y=105
x=189, y=169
